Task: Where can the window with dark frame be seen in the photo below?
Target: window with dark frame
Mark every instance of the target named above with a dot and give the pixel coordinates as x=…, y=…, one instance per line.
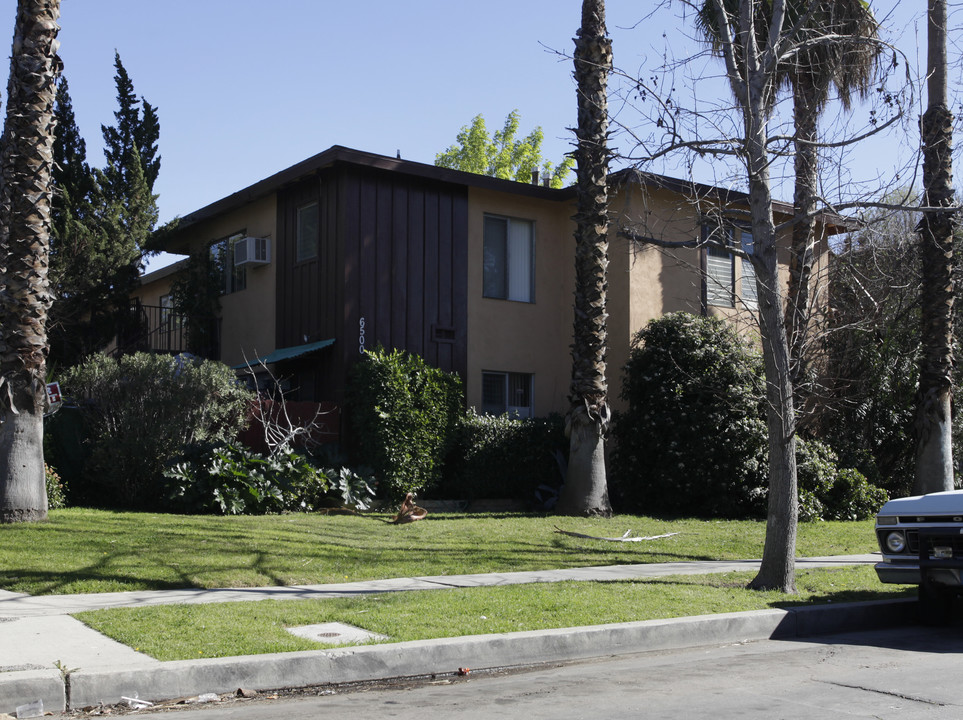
x=233, y=278
x=307, y=232
x=166, y=306
x=509, y=259
x=506, y=392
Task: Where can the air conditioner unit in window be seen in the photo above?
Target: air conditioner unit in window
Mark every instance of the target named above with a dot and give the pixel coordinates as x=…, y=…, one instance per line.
x=252, y=251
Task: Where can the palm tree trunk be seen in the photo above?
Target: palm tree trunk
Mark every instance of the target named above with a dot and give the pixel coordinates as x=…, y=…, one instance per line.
x=26, y=163
x=586, y=488
x=934, y=453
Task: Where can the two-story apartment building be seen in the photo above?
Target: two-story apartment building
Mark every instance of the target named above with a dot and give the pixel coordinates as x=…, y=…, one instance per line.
x=348, y=250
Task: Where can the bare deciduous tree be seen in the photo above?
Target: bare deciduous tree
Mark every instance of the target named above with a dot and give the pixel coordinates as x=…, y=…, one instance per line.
x=759, y=41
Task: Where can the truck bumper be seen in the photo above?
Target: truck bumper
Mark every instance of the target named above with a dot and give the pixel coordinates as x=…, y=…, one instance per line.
x=898, y=574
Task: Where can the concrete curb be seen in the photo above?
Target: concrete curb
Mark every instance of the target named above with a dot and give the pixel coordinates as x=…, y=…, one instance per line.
x=440, y=657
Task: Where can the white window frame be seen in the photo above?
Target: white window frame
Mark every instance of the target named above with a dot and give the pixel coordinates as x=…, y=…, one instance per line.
x=720, y=280
x=747, y=290
x=516, y=249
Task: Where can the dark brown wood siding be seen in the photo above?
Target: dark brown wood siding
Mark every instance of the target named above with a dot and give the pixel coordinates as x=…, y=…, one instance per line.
x=392, y=269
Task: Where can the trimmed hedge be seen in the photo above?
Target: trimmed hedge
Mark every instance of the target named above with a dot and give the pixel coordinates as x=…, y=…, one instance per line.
x=401, y=412
x=505, y=457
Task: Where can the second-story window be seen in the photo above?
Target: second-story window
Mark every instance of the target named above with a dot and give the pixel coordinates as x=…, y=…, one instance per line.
x=307, y=240
x=720, y=276
x=750, y=297
x=233, y=278
x=509, y=259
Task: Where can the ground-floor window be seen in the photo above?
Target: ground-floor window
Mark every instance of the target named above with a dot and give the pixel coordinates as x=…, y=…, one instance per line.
x=507, y=392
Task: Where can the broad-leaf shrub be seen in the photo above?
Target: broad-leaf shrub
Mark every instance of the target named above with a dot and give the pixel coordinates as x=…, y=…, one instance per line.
x=829, y=493
x=401, y=413
x=504, y=457
x=693, y=438
x=140, y=412
x=233, y=480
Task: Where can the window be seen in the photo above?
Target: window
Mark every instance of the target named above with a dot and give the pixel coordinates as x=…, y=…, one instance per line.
x=507, y=393
x=749, y=296
x=233, y=278
x=307, y=239
x=509, y=268
x=720, y=280
x=166, y=305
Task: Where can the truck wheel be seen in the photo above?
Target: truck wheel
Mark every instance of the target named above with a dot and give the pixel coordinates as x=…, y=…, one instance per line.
x=935, y=604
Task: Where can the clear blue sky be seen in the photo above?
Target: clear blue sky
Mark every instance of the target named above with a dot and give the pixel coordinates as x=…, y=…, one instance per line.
x=245, y=88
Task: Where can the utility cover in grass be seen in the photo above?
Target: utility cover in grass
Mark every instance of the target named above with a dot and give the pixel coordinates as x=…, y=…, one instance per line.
x=335, y=633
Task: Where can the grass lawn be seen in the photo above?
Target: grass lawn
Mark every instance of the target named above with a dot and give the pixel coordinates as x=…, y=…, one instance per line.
x=247, y=628
x=82, y=551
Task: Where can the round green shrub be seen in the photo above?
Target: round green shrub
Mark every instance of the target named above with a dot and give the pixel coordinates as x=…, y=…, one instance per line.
x=693, y=439
x=142, y=410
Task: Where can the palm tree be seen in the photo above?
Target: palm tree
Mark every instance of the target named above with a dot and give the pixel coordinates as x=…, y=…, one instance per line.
x=934, y=453
x=586, y=489
x=26, y=159
x=836, y=46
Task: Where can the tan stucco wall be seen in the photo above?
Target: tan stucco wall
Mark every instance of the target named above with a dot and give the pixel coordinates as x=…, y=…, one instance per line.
x=249, y=317
x=155, y=285
x=645, y=281
x=507, y=336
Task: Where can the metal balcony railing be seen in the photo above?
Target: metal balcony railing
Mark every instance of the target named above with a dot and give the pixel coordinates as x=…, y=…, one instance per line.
x=153, y=328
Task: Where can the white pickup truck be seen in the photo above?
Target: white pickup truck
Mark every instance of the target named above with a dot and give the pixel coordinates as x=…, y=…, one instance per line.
x=921, y=539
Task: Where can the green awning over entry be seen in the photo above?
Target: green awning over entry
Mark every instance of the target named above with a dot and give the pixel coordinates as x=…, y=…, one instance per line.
x=288, y=353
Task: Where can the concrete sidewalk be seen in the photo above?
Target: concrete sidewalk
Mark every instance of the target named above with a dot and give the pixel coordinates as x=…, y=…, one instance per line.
x=36, y=633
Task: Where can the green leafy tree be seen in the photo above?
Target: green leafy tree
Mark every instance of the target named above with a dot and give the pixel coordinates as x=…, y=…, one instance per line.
x=692, y=439
x=102, y=220
x=130, y=148
x=197, y=297
x=143, y=410
x=93, y=264
x=136, y=127
x=502, y=155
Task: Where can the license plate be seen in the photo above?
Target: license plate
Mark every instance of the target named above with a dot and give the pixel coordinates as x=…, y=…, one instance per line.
x=942, y=552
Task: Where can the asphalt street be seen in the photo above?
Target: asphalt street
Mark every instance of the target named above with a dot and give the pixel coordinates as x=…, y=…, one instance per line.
x=904, y=673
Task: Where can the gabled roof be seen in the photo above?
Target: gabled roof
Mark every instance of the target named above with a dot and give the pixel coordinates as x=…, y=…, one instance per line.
x=338, y=154
x=832, y=222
